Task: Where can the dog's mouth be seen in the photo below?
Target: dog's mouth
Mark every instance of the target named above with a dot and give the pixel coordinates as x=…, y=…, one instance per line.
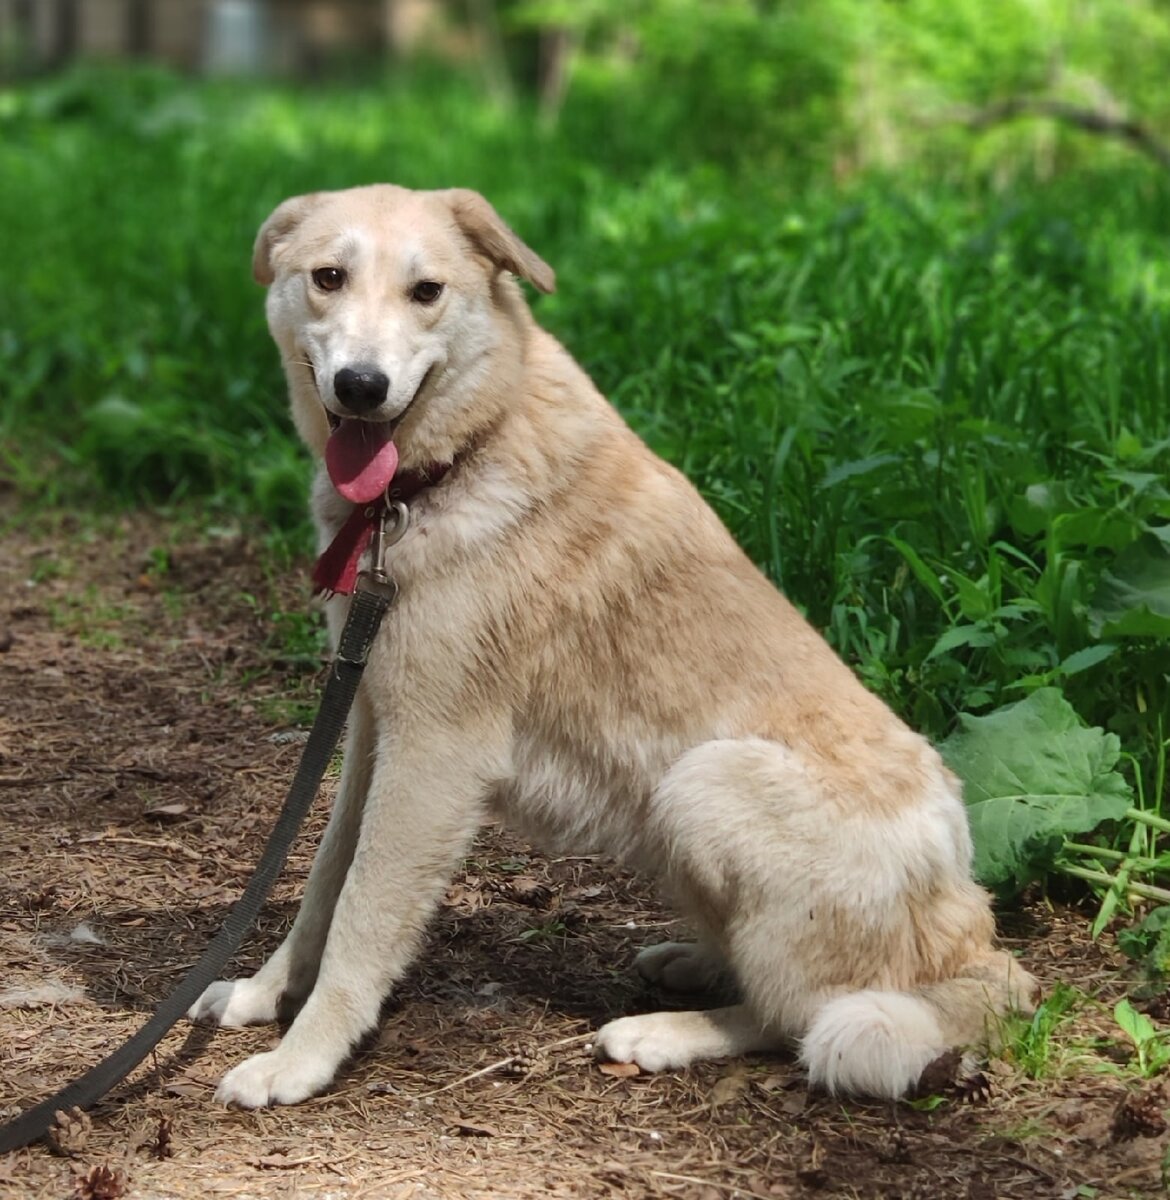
x=361, y=458
x=360, y=455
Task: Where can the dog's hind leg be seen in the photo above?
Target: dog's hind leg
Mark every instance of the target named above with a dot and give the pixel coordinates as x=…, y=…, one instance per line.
x=726, y=822
x=830, y=915
x=288, y=976
x=425, y=802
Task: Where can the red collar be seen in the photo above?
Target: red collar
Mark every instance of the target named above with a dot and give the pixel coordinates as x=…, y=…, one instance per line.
x=336, y=571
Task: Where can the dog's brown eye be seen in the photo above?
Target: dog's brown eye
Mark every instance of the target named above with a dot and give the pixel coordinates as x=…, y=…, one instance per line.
x=329, y=279
x=426, y=292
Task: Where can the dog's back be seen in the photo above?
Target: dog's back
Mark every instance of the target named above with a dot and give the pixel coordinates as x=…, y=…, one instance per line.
x=670, y=707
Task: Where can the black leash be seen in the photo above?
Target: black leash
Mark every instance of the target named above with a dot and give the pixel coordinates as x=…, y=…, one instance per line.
x=371, y=601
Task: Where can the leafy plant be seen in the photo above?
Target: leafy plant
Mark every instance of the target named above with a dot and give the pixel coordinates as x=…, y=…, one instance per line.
x=1033, y=775
x=1132, y=598
x=1032, y=1043
x=1153, y=1051
x=552, y=930
x=1148, y=941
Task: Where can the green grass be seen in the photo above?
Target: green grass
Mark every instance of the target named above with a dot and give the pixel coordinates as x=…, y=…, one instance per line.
x=82, y=615
x=935, y=411
x=1038, y=1044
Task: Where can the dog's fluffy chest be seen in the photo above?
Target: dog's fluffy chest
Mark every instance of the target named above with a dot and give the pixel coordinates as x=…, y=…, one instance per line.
x=567, y=794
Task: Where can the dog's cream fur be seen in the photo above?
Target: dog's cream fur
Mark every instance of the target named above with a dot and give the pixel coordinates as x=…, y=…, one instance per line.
x=581, y=649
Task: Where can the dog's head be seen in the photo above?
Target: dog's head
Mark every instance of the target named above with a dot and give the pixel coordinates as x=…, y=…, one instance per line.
x=393, y=308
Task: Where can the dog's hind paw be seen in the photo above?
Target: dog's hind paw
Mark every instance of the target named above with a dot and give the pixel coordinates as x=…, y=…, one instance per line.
x=275, y=1077
x=680, y=966
x=235, y=1002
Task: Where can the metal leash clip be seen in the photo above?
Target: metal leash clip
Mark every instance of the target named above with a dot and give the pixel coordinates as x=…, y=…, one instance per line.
x=391, y=526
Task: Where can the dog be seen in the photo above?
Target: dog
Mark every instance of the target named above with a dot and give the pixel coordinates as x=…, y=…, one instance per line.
x=580, y=649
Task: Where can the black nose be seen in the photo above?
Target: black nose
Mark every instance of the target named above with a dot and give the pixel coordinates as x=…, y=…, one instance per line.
x=362, y=389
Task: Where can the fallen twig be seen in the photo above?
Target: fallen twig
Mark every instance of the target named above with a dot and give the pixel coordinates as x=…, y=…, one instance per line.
x=736, y=1188
x=154, y=844
x=499, y=1066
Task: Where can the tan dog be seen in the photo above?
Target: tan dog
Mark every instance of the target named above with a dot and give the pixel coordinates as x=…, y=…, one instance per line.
x=581, y=649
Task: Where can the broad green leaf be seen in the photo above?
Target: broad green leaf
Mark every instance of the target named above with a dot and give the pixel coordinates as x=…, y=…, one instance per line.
x=1147, y=937
x=860, y=466
x=1073, y=523
x=1033, y=774
x=1142, y=482
x=1031, y=513
x=1096, y=528
x=975, y=636
x=974, y=596
x=1136, y=1025
x=1128, y=446
x=1090, y=656
x=1133, y=599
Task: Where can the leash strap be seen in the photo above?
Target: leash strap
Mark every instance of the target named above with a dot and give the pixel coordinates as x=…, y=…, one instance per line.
x=369, y=605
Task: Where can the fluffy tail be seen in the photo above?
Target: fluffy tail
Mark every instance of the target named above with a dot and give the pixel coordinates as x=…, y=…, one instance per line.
x=878, y=1043
x=875, y=1043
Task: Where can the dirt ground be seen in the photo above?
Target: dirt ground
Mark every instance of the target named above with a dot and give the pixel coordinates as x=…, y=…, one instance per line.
x=148, y=706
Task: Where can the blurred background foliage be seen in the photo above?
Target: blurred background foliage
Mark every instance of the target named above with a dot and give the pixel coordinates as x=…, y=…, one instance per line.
x=887, y=278
x=799, y=85
x=851, y=84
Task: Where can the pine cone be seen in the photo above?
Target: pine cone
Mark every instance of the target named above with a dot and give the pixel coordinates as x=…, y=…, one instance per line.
x=1140, y=1115
x=894, y=1147
x=163, y=1147
x=69, y=1132
x=100, y=1183
x=973, y=1088
x=938, y=1076
x=523, y=1061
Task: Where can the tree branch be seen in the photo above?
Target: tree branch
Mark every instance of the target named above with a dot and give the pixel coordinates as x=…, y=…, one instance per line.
x=1091, y=120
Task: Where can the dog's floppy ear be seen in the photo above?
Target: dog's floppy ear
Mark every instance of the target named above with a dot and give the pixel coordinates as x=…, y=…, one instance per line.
x=284, y=219
x=488, y=233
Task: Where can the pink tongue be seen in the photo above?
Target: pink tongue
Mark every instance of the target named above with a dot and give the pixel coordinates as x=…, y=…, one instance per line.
x=361, y=459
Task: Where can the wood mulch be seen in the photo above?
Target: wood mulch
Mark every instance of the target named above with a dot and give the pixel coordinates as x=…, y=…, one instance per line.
x=149, y=708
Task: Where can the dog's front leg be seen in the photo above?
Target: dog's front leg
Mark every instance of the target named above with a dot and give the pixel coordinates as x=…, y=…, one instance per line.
x=425, y=801
x=288, y=976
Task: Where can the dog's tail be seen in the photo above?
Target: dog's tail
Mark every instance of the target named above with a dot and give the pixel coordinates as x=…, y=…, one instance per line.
x=878, y=1043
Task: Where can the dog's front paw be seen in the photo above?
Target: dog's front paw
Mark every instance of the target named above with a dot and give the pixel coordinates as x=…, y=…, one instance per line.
x=651, y=1041
x=235, y=1002
x=274, y=1078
